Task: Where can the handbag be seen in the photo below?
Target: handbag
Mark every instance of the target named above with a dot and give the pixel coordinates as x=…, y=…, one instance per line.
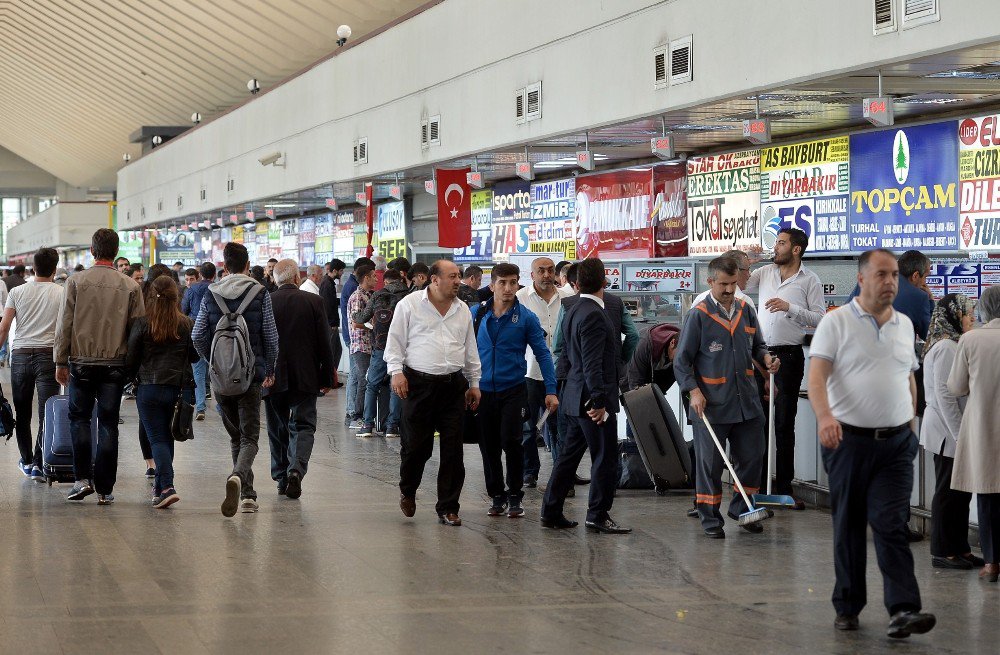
x=7, y=421
x=182, y=422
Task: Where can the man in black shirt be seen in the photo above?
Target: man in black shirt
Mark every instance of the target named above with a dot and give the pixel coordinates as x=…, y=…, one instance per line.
x=328, y=291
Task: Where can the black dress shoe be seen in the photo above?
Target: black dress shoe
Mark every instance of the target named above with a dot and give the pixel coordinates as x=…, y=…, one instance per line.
x=973, y=560
x=294, y=488
x=578, y=480
x=607, y=526
x=715, y=533
x=753, y=528
x=904, y=624
x=913, y=536
x=530, y=482
x=558, y=523
x=693, y=513
x=846, y=622
x=951, y=563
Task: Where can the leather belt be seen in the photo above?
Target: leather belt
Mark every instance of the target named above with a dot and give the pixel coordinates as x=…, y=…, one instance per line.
x=32, y=351
x=876, y=433
x=786, y=349
x=428, y=376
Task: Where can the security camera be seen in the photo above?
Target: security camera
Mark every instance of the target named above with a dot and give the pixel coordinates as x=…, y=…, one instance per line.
x=272, y=159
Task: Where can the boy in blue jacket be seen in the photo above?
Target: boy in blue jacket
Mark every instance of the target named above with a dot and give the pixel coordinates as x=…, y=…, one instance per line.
x=505, y=329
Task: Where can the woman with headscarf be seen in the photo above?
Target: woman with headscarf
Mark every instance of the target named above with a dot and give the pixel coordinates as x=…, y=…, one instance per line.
x=952, y=317
x=976, y=372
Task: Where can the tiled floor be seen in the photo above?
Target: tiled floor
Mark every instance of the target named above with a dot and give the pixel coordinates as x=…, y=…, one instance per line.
x=342, y=571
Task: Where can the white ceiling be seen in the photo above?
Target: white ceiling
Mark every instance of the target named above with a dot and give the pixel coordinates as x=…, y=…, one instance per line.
x=78, y=77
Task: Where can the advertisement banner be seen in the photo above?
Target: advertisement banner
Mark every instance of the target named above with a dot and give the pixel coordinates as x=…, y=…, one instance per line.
x=613, y=215
x=391, y=229
x=307, y=242
x=979, y=181
x=263, y=232
x=807, y=186
x=323, y=247
x=904, y=184
x=723, y=203
x=481, y=248
x=289, y=240
x=968, y=278
x=176, y=247
x=669, y=213
x=342, y=235
x=511, y=220
x=130, y=245
x=359, y=230
x=613, y=273
x=659, y=277
x=237, y=234
x=553, y=210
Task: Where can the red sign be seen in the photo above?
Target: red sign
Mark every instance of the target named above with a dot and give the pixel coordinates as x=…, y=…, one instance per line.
x=454, y=204
x=632, y=214
x=331, y=203
x=369, y=195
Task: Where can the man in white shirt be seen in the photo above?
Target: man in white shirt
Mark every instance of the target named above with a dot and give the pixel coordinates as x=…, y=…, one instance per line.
x=433, y=357
x=862, y=389
x=791, y=298
x=314, y=276
x=544, y=299
x=35, y=306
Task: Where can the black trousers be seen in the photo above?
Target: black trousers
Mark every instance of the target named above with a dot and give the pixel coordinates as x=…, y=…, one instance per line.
x=870, y=484
x=501, y=415
x=949, y=513
x=433, y=404
x=989, y=526
x=583, y=433
x=338, y=347
x=788, y=379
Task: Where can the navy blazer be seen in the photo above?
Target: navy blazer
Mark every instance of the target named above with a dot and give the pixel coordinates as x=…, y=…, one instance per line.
x=590, y=349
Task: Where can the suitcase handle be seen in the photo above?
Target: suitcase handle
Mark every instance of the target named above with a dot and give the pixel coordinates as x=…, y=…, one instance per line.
x=659, y=440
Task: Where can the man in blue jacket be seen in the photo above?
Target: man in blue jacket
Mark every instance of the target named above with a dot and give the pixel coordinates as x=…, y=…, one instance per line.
x=190, y=306
x=504, y=330
x=350, y=286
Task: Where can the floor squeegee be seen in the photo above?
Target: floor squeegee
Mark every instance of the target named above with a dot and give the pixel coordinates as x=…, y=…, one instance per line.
x=776, y=500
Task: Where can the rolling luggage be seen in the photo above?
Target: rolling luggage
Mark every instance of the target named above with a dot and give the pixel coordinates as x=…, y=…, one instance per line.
x=659, y=438
x=57, y=440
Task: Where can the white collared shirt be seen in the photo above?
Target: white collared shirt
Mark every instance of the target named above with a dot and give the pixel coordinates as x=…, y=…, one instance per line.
x=599, y=301
x=309, y=286
x=804, y=294
x=421, y=338
x=548, y=315
x=739, y=294
x=869, y=386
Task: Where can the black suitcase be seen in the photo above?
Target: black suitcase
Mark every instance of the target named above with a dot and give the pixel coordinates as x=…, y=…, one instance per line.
x=659, y=438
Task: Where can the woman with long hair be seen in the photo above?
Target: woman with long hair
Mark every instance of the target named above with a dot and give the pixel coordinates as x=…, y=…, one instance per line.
x=160, y=354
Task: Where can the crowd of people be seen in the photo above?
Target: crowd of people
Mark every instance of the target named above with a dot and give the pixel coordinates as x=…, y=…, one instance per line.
x=433, y=354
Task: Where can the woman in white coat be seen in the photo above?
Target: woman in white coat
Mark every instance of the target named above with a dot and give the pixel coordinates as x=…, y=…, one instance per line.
x=976, y=372
x=953, y=316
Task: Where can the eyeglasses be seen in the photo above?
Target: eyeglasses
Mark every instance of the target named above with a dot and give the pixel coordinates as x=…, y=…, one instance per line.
x=743, y=269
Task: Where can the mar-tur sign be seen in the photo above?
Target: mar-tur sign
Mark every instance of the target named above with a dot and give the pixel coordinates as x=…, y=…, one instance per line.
x=626, y=214
x=979, y=180
x=807, y=186
x=723, y=202
x=553, y=209
x=904, y=188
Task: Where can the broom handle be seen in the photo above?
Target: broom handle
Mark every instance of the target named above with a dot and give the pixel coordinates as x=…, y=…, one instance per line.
x=739, y=485
x=770, y=436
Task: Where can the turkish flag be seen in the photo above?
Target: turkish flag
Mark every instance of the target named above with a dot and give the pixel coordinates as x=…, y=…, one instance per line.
x=369, y=217
x=454, y=208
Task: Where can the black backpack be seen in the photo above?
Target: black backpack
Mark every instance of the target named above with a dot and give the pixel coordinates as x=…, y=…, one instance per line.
x=7, y=421
x=381, y=320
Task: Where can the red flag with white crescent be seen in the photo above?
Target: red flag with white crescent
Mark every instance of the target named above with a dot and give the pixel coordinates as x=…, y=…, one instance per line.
x=454, y=208
x=369, y=217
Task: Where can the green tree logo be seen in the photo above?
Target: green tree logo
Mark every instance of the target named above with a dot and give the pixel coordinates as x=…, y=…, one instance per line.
x=901, y=157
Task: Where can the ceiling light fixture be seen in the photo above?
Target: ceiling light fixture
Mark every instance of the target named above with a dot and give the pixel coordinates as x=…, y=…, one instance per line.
x=253, y=86
x=343, y=33
x=196, y=118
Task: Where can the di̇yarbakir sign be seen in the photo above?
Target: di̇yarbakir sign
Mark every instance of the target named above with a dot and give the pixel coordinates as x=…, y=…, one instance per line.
x=659, y=277
x=511, y=220
x=979, y=181
x=553, y=211
x=613, y=215
x=481, y=248
x=723, y=203
x=807, y=186
x=904, y=184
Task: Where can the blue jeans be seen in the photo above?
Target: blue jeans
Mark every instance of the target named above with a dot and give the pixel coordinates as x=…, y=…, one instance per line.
x=155, y=403
x=101, y=384
x=378, y=382
x=200, y=369
x=30, y=372
x=352, y=389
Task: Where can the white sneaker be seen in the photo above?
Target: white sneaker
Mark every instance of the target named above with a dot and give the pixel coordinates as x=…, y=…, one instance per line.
x=249, y=506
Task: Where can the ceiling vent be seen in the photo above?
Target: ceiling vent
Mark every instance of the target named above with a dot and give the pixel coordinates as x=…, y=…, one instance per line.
x=660, y=67
x=425, y=134
x=361, y=151
x=681, y=58
x=180, y=201
x=528, y=103
x=885, y=16
x=230, y=184
x=434, y=130
x=204, y=194
x=920, y=12
x=159, y=205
